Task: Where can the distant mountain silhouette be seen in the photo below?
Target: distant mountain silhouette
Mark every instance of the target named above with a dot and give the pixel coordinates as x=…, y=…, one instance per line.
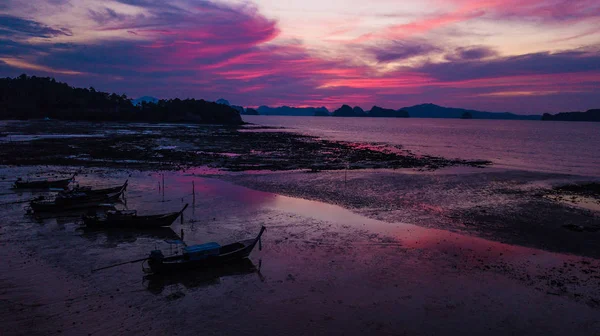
x=250, y=111
x=223, y=102
x=240, y=109
x=375, y=112
x=589, y=115
x=290, y=111
x=435, y=111
x=359, y=112
x=321, y=113
x=379, y=112
x=145, y=99
x=347, y=111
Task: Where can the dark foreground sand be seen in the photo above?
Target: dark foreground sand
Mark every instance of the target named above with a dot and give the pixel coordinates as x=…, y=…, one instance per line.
x=323, y=269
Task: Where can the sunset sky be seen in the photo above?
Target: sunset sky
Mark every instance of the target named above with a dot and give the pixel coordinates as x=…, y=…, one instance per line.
x=524, y=56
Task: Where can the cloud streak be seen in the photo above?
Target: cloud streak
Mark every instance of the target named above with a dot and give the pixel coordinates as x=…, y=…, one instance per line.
x=12, y=26
x=402, y=49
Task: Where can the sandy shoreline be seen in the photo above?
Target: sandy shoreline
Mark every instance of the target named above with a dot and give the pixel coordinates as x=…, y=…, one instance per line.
x=457, y=250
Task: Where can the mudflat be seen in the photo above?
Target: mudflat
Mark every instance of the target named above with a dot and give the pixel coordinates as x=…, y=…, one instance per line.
x=423, y=249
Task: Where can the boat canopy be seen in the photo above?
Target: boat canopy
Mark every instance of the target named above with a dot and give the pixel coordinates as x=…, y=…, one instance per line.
x=207, y=248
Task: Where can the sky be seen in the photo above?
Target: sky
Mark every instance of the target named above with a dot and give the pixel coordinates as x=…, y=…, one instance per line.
x=523, y=56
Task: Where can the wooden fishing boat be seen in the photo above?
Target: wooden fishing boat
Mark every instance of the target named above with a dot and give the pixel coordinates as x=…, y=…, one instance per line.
x=92, y=192
x=42, y=184
x=203, y=255
x=130, y=218
x=73, y=201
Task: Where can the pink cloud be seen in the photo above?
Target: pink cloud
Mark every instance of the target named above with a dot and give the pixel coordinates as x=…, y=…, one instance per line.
x=549, y=12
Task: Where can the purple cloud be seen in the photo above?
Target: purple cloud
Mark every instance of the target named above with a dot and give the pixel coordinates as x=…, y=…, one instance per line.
x=472, y=53
x=15, y=26
x=106, y=15
x=400, y=50
x=529, y=64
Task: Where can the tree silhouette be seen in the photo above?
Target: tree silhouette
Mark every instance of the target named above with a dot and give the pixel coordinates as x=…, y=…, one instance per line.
x=25, y=97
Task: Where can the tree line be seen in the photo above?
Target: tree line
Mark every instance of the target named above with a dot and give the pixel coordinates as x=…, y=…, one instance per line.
x=30, y=97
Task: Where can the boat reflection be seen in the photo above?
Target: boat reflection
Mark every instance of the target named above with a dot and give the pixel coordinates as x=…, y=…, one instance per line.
x=122, y=235
x=156, y=283
x=73, y=215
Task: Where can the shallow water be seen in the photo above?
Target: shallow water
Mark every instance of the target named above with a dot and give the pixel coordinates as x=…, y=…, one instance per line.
x=323, y=270
x=559, y=147
x=26, y=137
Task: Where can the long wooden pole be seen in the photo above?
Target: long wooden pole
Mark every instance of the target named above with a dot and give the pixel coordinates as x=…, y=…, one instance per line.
x=115, y=265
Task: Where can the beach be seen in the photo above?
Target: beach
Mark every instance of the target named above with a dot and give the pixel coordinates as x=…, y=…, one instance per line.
x=393, y=243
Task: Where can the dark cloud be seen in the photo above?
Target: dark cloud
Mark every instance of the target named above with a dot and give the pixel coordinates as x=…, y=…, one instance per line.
x=13, y=48
x=105, y=16
x=400, y=50
x=537, y=63
x=15, y=26
x=472, y=53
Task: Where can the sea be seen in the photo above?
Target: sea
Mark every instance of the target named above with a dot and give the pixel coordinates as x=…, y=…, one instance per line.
x=544, y=146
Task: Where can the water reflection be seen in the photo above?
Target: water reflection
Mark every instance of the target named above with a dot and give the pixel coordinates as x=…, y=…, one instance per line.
x=70, y=216
x=156, y=283
x=116, y=236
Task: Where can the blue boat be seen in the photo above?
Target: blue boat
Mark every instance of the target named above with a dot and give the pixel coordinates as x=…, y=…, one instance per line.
x=203, y=255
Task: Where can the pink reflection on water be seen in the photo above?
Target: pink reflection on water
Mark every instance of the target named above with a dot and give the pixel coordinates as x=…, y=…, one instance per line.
x=205, y=187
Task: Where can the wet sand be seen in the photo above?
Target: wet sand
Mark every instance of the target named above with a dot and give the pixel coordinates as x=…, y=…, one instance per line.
x=513, y=207
x=323, y=270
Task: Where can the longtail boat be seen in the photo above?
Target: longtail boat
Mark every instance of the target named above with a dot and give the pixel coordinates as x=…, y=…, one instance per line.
x=92, y=192
x=203, y=255
x=73, y=201
x=130, y=219
x=42, y=184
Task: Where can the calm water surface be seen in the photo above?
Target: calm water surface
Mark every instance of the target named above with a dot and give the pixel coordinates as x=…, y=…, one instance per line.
x=561, y=147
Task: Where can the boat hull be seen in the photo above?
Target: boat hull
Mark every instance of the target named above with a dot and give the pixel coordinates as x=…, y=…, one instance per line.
x=62, y=204
x=179, y=264
x=95, y=192
x=141, y=222
x=119, y=220
x=58, y=184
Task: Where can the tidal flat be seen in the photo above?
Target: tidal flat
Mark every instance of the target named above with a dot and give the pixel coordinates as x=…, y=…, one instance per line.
x=435, y=246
